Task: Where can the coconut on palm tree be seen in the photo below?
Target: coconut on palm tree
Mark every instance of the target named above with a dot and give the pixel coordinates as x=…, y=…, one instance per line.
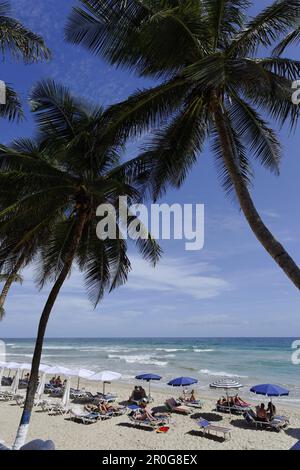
x=215, y=83
x=20, y=43
x=76, y=168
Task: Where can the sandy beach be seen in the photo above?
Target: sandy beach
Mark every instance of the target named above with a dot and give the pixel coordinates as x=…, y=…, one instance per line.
x=120, y=433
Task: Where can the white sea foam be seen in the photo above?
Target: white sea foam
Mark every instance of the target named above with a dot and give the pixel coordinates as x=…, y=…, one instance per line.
x=221, y=374
x=204, y=350
x=139, y=359
x=170, y=349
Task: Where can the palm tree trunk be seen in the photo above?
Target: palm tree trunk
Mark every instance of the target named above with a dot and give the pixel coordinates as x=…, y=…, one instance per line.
x=10, y=280
x=34, y=375
x=262, y=233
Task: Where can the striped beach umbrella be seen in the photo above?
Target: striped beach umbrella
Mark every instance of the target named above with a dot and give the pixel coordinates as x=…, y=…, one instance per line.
x=226, y=384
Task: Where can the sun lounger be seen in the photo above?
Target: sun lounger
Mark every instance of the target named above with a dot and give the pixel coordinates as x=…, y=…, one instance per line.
x=208, y=427
x=85, y=417
x=7, y=396
x=154, y=423
x=235, y=409
x=276, y=424
x=192, y=404
x=109, y=397
x=58, y=409
x=173, y=406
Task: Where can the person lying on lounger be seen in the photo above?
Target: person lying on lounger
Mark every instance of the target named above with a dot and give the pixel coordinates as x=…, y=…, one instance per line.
x=102, y=408
x=239, y=402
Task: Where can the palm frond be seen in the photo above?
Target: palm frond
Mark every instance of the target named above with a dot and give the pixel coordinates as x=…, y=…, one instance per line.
x=261, y=140
x=267, y=27
x=290, y=39
x=55, y=110
x=239, y=155
x=19, y=41
x=225, y=18
x=175, y=147
x=12, y=109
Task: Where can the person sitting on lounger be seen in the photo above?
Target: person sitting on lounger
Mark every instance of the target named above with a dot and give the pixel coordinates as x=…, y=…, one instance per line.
x=190, y=399
x=53, y=380
x=222, y=402
x=261, y=413
x=136, y=395
x=58, y=382
x=144, y=413
x=143, y=392
x=271, y=410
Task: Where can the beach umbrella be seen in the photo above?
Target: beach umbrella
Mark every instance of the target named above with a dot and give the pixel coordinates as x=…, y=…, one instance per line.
x=59, y=370
x=269, y=390
x=81, y=374
x=41, y=387
x=15, y=383
x=44, y=367
x=106, y=376
x=148, y=378
x=12, y=365
x=1, y=375
x=66, y=397
x=227, y=385
x=182, y=382
x=25, y=366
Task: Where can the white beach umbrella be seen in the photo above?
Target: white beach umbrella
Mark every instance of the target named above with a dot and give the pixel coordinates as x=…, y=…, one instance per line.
x=59, y=370
x=44, y=367
x=106, y=376
x=1, y=375
x=25, y=366
x=41, y=386
x=66, y=397
x=15, y=383
x=226, y=384
x=81, y=374
x=12, y=365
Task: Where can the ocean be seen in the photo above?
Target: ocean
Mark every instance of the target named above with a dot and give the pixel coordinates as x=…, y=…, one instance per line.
x=249, y=360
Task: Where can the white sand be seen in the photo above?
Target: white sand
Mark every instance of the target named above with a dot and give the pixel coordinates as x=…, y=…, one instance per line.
x=119, y=433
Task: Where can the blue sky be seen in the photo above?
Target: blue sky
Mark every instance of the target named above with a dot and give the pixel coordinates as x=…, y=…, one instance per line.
x=230, y=288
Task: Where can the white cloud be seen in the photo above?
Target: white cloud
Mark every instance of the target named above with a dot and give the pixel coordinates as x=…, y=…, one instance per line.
x=182, y=277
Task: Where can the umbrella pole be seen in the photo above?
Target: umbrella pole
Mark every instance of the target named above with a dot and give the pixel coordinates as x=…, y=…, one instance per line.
x=78, y=382
x=103, y=388
x=228, y=403
x=149, y=389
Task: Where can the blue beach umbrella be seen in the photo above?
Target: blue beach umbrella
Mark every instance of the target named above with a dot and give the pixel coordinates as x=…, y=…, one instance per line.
x=269, y=390
x=182, y=382
x=148, y=378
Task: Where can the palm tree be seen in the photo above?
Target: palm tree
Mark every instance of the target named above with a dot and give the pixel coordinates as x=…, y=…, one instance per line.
x=20, y=43
x=8, y=279
x=213, y=85
x=76, y=169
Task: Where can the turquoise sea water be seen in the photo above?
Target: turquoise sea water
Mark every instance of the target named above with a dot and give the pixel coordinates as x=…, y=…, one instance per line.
x=250, y=360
